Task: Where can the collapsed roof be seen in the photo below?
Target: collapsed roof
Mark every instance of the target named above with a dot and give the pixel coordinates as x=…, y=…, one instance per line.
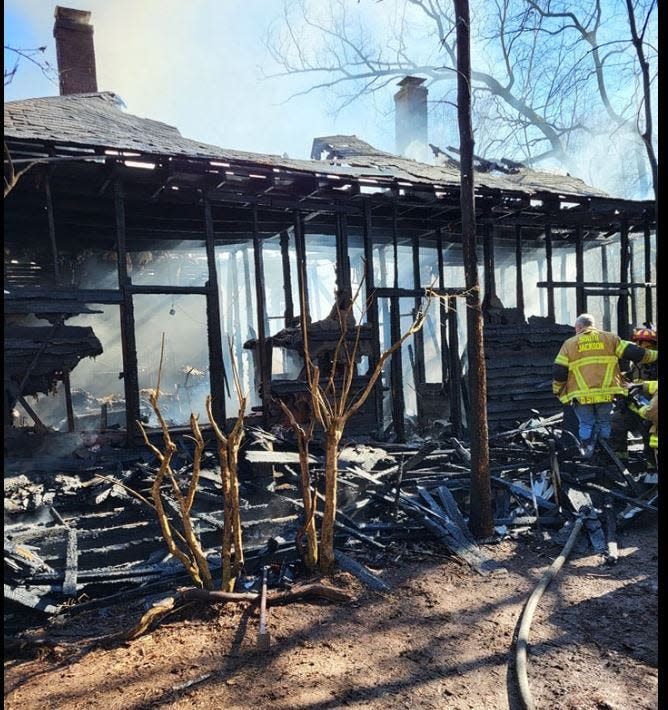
x=97, y=120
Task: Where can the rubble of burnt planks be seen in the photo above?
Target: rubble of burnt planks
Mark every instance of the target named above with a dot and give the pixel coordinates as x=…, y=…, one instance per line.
x=78, y=534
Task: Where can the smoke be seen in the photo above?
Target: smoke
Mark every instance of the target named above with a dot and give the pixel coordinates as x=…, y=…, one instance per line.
x=201, y=67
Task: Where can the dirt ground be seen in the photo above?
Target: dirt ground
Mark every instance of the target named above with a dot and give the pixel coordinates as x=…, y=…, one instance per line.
x=441, y=638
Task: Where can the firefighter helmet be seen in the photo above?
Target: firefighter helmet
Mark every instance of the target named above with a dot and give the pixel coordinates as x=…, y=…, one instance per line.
x=646, y=333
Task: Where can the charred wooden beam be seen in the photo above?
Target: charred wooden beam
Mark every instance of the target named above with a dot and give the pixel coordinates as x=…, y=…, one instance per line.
x=30, y=411
x=265, y=366
x=649, y=313
x=623, y=302
x=342, y=256
x=52, y=225
x=489, y=275
x=387, y=292
x=289, y=311
x=68, y=401
x=632, y=293
x=519, y=283
x=372, y=311
x=607, y=324
x=548, y=259
x=456, y=384
x=443, y=314
x=612, y=286
x=214, y=335
x=128, y=341
x=396, y=372
x=167, y=290
x=26, y=376
x=71, y=564
x=395, y=247
x=302, y=282
x=419, y=336
x=580, y=298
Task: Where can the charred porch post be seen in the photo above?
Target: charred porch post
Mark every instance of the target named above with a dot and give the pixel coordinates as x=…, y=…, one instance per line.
x=216, y=361
x=265, y=366
x=302, y=283
x=442, y=313
x=68, y=401
x=450, y=364
x=488, y=263
x=419, y=336
x=65, y=378
x=550, y=275
x=623, y=302
x=52, y=225
x=289, y=311
x=456, y=385
x=519, y=283
x=647, y=238
x=128, y=342
x=632, y=279
x=372, y=313
x=396, y=363
x=607, y=324
x=342, y=256
x=580, y=294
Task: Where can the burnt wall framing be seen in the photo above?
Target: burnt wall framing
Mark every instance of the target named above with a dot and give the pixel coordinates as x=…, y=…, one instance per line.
x=182, y=199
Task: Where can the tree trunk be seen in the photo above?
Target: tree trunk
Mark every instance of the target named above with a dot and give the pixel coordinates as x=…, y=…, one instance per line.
x=233, y=457
x=311, y=556
x=481, y=508
x=226, y=549
x=332, y=439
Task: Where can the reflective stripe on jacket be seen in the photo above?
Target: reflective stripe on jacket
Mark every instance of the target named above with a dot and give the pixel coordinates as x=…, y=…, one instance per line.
x=587, y=366
x=651, y=412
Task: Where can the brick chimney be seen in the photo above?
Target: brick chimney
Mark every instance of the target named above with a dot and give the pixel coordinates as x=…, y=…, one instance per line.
x=75, y=51
x=410, y=104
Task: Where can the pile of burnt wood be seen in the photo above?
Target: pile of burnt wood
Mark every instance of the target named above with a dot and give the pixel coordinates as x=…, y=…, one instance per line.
x=77, y=536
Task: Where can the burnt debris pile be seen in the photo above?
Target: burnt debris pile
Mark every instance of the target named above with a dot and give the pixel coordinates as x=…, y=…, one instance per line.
x=80, y=530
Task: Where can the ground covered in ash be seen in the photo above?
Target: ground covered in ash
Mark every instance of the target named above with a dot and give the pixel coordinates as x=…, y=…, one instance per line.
x=441, y=638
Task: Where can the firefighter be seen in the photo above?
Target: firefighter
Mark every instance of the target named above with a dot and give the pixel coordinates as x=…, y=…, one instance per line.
x=647, y=409
x=644, y=337
x=586, y=375
x=625, y=419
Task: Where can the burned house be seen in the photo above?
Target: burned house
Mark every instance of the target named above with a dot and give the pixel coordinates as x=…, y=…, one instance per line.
x=122, y=229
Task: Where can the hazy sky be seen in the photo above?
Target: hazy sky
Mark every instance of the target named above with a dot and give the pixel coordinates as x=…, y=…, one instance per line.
x=196, y=65
x=200, y=65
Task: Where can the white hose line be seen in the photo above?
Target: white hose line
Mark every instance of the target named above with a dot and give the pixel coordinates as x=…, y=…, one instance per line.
x=530, y=608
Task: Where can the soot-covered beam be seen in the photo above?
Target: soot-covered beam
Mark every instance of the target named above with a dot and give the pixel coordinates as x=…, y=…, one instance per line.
x=265, y=366
x=128, y=341
x=519, y=283
x=550, y=278
x=623, y=302
x=372, y=311
x=649, y=313
x=289, y=311
x=215, y=337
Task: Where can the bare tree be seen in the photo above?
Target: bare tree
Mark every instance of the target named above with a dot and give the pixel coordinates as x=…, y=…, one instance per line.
x=304, y=434
x=334, y=401
x=228, y=453
x=617, y=55
x=31, y=55
x=542, y=81
x=183, y=543
x=192, y=557
x=481, y=493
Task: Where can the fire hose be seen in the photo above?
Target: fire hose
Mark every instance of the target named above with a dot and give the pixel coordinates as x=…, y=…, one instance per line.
x=530, y=607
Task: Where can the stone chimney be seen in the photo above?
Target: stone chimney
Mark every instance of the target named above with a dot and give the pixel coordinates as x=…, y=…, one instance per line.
x=411, y=114
x=75, y=51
